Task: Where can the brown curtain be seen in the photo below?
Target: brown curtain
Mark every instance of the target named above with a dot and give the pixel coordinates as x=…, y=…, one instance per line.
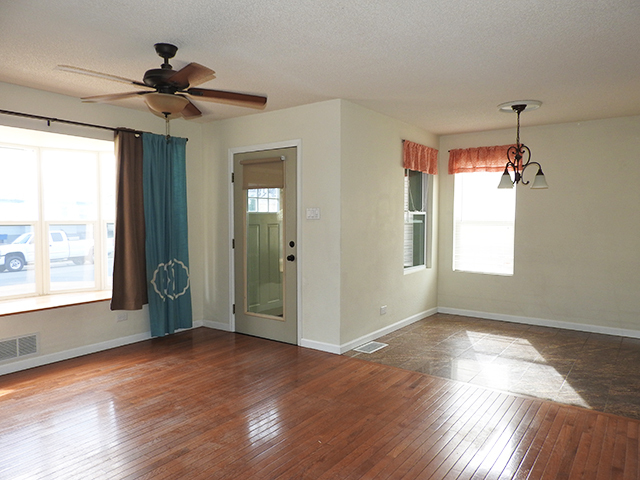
x=129, y=265
x=419, y=157
x=480, y=159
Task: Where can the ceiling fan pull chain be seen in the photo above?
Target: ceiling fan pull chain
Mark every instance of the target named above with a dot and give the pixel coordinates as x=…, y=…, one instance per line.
x=167, y=128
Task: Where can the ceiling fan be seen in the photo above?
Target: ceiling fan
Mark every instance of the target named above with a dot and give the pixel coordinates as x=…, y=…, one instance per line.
x=167, y=90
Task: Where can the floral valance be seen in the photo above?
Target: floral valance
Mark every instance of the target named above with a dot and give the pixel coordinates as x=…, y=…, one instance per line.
x=419, y=157
x=480, y=159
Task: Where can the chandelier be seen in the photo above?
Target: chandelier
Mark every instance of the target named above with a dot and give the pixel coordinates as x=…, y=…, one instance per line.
x=519, y=155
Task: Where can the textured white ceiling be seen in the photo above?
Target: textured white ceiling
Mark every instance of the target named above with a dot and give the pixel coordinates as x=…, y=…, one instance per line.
x=443, y=65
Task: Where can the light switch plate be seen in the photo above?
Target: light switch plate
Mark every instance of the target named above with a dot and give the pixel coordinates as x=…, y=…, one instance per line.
x=313, y=214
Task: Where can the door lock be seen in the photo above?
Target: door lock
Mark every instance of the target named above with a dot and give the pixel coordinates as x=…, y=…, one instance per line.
x=291, y=258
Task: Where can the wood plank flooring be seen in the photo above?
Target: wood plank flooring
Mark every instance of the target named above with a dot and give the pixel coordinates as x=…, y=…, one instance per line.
x=206, y=404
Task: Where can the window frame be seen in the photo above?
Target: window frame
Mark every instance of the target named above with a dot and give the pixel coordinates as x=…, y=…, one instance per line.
x=458, y=222
x=102, y=224
x=426, y=200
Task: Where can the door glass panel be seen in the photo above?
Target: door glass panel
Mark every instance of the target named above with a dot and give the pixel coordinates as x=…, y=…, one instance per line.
x=17, y=254
x=71, y=256
x=264, y=252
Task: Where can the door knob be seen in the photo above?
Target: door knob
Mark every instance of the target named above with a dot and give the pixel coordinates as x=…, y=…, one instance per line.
x=291, y=258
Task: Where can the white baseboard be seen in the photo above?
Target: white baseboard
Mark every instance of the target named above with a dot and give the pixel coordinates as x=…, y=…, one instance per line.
x=542, y=322
x=345, y=347
x=216, y=325
x=323, y=347
x=37, y=361
x=72, y=353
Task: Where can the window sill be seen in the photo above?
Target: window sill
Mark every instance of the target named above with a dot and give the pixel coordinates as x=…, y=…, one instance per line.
x=417, y=268
x=47, y=302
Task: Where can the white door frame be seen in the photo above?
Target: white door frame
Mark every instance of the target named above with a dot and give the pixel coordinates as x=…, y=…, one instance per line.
x=299, y=256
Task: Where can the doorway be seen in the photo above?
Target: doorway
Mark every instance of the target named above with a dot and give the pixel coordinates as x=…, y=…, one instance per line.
x=265, y=253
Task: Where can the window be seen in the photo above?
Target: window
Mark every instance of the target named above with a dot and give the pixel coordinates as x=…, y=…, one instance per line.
x=57, y=213
x=415, y=219
x=263, y=200
x=484, y=220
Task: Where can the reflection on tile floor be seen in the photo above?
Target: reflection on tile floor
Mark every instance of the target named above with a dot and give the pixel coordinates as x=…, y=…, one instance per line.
x=596, y=371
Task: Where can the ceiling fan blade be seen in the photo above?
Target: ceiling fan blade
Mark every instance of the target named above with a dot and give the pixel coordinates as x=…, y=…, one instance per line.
x=106, y=76
x=191, y=111
x=232, y=98
x=193, y=74
x=112, y=96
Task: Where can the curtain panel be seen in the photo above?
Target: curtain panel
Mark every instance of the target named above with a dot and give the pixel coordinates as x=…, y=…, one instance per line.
x=480, y=159
x=419, y=157
x=166, y=245
x=129, y=266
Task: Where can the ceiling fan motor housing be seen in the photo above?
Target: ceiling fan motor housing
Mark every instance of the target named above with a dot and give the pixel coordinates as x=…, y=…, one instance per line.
x=158, y=77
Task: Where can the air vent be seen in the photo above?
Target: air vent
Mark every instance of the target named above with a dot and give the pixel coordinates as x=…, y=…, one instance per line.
x=371, y=347
x=18, y=347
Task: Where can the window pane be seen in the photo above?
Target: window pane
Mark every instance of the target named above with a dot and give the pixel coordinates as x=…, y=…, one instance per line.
x=484, y=224
x=107, y=187
x=19, y=192
x=414, y=239
x=17, y=254
x=111, y=233
x=71, y=257
x=70, y=185
x=415, y=219
x=58, y=190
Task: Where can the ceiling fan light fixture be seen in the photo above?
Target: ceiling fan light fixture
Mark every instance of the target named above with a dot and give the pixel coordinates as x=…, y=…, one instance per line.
x=166, y=102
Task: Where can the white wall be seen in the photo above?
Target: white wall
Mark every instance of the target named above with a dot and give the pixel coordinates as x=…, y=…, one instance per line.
x=80, y=329
x=577, y=255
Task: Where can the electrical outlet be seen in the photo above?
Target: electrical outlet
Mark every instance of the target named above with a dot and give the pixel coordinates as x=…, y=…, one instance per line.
x=383, y=310
x=122, y=317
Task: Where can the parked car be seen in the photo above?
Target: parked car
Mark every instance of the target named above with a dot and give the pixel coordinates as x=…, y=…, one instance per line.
x=14, y=256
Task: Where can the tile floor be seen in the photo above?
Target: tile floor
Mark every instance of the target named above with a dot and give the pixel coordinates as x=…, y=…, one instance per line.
x=600, y=372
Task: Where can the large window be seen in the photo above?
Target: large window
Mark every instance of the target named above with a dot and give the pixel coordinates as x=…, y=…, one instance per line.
x=416, y=186
x=484, y=219
x=57, y=213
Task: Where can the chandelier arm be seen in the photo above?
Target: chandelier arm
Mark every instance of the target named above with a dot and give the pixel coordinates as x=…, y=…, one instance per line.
x=524, y=168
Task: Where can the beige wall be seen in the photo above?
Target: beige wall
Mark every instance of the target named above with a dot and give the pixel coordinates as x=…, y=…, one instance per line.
x=577, y=255
x=84, y=328
x=351, y=259
x=317, y=128
x=372, y=225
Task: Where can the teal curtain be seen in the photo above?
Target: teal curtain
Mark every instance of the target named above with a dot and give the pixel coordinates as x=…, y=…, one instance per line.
x=166, y=244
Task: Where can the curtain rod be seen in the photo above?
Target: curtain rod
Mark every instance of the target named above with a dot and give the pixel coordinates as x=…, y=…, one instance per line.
x=69, y=122
x=51, y=119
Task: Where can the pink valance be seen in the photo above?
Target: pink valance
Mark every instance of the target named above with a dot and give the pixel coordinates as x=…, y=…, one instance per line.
x=419, y=157
x=480, y=159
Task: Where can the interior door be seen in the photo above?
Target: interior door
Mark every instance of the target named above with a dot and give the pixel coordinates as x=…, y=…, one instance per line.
x=265, y=244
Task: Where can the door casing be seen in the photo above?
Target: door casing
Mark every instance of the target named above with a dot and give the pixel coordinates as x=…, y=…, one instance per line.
x=299, y=257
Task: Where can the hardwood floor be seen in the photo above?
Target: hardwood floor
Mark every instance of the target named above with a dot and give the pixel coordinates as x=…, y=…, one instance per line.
x=206, y=404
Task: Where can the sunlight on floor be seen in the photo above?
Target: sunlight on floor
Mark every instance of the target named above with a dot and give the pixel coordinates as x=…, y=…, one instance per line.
x=5, y=392
x=510, y=372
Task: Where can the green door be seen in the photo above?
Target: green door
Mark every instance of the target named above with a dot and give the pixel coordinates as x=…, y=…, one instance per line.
x=266, y=244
